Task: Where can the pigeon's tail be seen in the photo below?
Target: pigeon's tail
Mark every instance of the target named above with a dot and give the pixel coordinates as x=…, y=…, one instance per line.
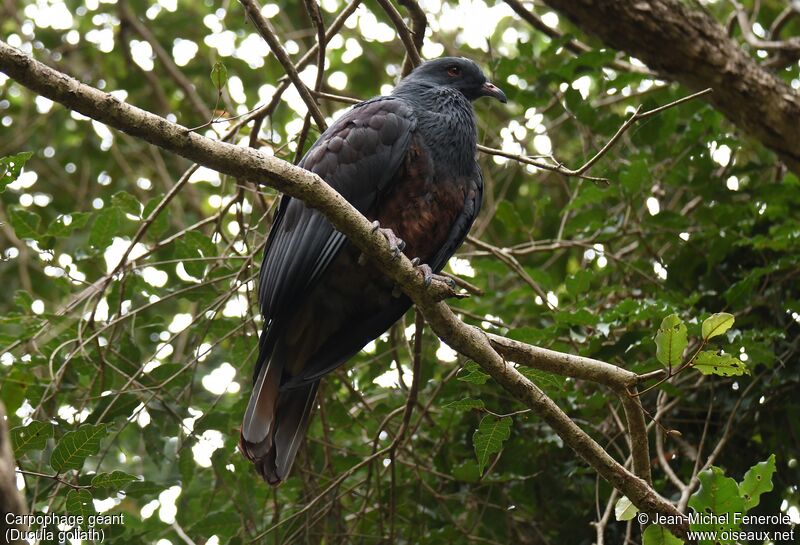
x=275, y=421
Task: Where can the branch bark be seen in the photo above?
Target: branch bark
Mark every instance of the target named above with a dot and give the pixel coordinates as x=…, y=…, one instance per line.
x=689, y=46
x=248, y=163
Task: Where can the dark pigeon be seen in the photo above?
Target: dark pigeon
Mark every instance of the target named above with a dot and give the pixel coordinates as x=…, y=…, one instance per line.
x=405, y=161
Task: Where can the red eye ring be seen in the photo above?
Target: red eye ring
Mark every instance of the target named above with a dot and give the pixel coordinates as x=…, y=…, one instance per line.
x=454, y=71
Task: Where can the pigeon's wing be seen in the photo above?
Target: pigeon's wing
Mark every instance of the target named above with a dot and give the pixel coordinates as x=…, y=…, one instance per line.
x=472, y=204
x=358, y=156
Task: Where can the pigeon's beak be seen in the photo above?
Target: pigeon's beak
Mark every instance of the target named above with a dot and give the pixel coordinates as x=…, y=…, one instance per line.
x=489, y=89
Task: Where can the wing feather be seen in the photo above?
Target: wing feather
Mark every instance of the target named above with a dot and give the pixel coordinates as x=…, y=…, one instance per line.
x=358, y=156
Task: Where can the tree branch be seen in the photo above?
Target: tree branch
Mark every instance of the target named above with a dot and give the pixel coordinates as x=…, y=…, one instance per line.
x=248, y=163
x=692, y=48
x=412, y=55
x=268, y=33
x=129, y=17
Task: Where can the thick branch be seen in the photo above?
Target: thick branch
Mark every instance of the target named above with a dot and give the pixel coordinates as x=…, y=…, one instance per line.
x=296, y=182
x=689, y=46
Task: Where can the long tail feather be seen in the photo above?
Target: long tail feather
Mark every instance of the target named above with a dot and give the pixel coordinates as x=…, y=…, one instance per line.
x=275, y=420
x=259, y=418
x=294, y=413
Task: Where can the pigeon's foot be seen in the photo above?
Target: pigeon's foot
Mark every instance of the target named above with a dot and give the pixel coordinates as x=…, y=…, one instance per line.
x=396, y=244
x=429, y=276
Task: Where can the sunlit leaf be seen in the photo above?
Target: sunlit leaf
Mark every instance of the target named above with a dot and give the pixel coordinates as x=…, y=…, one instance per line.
x=757, y=481
x=724, y=365
x=671, y=340
x=658, y=535
x=11, y=166
x=624, y=509
x=717, y=324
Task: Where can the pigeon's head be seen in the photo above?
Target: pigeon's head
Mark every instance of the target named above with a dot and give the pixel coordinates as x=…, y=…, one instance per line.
x=458, y=73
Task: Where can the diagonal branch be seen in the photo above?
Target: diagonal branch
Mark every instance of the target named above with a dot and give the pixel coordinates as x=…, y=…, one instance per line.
x=248, y=163
x=268, y=33
x=130, y=18
x=412, y=54
x=419, y=22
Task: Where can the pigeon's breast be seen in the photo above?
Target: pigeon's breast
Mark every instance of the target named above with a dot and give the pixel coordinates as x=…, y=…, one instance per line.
x=424, y=202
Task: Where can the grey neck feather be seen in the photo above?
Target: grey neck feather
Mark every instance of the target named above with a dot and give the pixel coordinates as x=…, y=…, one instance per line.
x=446, y=122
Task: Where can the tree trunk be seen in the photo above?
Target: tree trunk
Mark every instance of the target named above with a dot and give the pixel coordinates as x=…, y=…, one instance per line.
x=689, y=46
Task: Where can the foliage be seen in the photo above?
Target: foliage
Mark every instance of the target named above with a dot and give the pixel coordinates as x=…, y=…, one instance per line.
x=126, y=383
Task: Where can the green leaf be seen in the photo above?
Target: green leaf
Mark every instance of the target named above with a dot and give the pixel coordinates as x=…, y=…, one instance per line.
x=24, y=222
x=658, y=535
x=106, y=225
x=23, y=300
x=624, y=509
x=75, y=446
x=467, y=472
x=113, y=406
x=717, y=324
x=160, y=223
x=579, y=282
x=635, y=176
x=127, y=203
x=724, y=365
x=116, y=480
x=219, y=75
x=717, y=495
x=549, y=382
x=80, y=502
x=65, y=224
x=465, y=404
x=757, y=480
x=671, y=341
x=141, y=489
x=34, y=436
x=186, y=465
x=220, y=523
x=11, y=167
x=473, y=374
x=192, y=248
x=488, y=439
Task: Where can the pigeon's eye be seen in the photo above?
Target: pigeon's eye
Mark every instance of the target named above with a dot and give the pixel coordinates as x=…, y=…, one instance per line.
x=454, y=71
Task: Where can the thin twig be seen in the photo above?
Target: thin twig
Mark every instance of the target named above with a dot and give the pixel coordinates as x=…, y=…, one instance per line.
x=128, y=16
x=403, y=31
x=419, y=23
x=268, y=33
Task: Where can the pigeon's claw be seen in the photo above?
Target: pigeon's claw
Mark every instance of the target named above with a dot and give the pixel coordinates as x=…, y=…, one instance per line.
x=396, y=244
x=429, y=276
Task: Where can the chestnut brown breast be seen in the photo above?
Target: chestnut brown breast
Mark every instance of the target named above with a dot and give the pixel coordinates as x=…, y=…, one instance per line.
x=422, y=206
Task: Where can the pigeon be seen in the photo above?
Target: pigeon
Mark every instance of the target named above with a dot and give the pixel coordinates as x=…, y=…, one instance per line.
x=407, y=162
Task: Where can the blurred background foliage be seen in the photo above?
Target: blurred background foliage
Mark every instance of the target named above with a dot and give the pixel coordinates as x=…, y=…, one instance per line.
x=697, y=218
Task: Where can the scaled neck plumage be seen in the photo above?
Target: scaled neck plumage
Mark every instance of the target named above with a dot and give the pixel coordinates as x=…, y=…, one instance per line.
x=445, y=120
